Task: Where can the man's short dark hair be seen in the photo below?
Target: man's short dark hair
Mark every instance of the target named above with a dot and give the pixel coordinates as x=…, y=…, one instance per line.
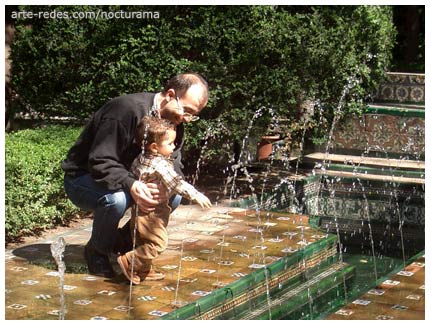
x=182, y=82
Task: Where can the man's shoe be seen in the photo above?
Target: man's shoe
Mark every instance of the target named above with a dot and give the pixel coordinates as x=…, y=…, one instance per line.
x=98, y=264
x=123, y=242
x=151, y=275
x=125, y=268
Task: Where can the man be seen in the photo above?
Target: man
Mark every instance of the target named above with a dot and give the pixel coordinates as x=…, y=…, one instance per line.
x=97, y=176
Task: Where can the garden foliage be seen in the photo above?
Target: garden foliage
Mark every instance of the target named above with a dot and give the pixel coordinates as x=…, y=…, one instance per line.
x=252, y=56
x=34, y=197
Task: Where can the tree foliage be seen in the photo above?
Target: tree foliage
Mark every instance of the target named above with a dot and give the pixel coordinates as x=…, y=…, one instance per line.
x=252, y=56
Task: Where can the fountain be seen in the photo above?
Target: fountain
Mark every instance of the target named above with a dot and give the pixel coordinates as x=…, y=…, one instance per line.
x=307, y=241
x=57, y=250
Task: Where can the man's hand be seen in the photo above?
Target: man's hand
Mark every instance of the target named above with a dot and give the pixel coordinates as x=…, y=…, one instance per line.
x=203, y=201
x=148, y=196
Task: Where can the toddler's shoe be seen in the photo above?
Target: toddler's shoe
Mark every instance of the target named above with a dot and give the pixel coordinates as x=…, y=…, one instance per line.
x=126, y=269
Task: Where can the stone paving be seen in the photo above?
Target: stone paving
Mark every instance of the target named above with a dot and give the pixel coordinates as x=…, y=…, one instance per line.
x=207, y=250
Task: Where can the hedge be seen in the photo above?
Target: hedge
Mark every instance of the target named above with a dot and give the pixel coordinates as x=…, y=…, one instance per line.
x=252, y=56
x=35, y=198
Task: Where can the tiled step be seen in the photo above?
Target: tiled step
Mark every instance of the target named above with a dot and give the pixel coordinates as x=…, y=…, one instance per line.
x=368, y=161
x=402, y=297
x=368, y=168
x=394, y=106
x=376, y=177
x=295, y=302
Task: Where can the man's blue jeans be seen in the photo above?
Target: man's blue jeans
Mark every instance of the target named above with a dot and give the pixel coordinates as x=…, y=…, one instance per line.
x=107, y=205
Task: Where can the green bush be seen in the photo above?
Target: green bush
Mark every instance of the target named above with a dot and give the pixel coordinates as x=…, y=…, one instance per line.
x=277, y=57
x=34, y=197
x=253, y=56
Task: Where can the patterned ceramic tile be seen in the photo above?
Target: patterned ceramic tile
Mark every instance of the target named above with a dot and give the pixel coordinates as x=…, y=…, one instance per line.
x=91, y=297
x=344, y=312
x=376, y=292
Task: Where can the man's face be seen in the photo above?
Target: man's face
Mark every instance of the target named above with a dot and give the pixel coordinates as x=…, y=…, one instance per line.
x=181, y=109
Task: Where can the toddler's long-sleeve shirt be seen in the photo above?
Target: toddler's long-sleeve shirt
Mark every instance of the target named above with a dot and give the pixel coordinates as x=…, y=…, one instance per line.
x=152, y=167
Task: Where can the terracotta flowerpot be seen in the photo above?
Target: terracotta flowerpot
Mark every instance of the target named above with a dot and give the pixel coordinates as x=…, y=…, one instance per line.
x=264, y=148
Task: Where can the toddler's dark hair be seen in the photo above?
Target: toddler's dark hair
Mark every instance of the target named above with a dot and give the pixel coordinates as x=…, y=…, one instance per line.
x=152, y=130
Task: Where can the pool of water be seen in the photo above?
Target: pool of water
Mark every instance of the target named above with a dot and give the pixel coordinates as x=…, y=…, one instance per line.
x=379, y=225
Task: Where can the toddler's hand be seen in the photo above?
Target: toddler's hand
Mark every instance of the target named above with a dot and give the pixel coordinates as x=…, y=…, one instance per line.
x=203, y=201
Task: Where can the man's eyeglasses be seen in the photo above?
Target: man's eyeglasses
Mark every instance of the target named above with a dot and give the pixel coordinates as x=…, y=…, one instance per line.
x=187, y=116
